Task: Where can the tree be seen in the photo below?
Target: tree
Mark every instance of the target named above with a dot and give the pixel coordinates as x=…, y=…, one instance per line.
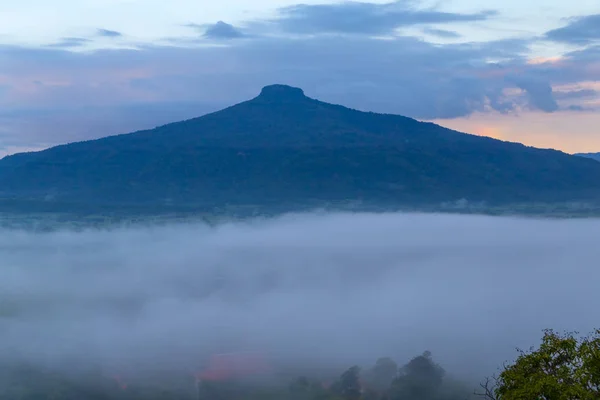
x=383, y=373
x=562, y=368
x=303, y=389
x=420, y=379
x=348, y=387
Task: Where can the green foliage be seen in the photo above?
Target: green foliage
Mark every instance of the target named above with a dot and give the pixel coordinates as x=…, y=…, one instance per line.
x=562, y=368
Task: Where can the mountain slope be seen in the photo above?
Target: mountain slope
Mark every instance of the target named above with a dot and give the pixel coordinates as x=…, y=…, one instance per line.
x=283, y=147
x=593, y=156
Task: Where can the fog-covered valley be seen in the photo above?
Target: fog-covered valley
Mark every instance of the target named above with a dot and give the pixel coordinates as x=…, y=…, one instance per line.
x=304, y=289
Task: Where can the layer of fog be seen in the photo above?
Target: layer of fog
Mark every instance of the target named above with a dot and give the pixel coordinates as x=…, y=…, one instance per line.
x=321, y=289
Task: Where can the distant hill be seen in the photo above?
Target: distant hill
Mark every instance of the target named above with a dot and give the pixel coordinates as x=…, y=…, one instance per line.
x=285, y=148
x=593, y=156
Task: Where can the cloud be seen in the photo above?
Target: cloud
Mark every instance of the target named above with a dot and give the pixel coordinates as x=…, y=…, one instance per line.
x=70, y=42
x=581, y=66
x=581, y=31
x=222, y=30
x=442, y=33
x=579, y=99
x=576, y=94
x=590, y=53
x=217, y=31
x=77, y=42
x=108, y=33
x=324, y=289
x=364, y=18
x=539, y=92
x=402, y=75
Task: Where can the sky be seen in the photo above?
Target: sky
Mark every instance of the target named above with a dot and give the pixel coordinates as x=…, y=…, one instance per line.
x=519, y=71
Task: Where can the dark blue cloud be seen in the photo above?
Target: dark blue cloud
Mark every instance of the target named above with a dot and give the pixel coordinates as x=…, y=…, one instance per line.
x=108, y=33
x=576, y=66
x=590, y=53
x=74, y=42
x=218, y=31
x=442, y=33
x=364, y=18
x=577, y=94
x=222, y=30
x=406, y=75
x=539, y=92
x=581, y=30
x=70, y=42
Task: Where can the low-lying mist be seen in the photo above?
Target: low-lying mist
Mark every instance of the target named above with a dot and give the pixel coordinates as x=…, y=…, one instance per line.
x=311, y=290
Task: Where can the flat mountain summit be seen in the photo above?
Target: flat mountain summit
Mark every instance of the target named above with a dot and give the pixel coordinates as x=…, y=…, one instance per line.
x=283, y=147
x=280, y=93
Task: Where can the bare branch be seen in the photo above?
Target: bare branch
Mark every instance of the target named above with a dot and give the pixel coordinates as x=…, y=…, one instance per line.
x=488, y=387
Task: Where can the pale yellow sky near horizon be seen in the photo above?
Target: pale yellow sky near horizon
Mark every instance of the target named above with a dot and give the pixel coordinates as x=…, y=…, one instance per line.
x=571, y=132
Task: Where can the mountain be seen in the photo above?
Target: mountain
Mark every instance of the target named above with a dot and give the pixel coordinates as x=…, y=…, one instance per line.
x=593, y=156
x=283, y=148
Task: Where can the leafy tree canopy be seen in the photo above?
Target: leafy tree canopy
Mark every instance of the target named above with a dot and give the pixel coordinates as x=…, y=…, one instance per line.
x=564, y=367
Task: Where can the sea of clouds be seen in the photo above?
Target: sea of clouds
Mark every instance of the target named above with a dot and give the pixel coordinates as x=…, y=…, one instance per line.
x=321, y=289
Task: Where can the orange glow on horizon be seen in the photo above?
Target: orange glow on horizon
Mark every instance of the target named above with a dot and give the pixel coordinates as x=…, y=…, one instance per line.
x=490, y=131
x=233, y=365
x=571, y=132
